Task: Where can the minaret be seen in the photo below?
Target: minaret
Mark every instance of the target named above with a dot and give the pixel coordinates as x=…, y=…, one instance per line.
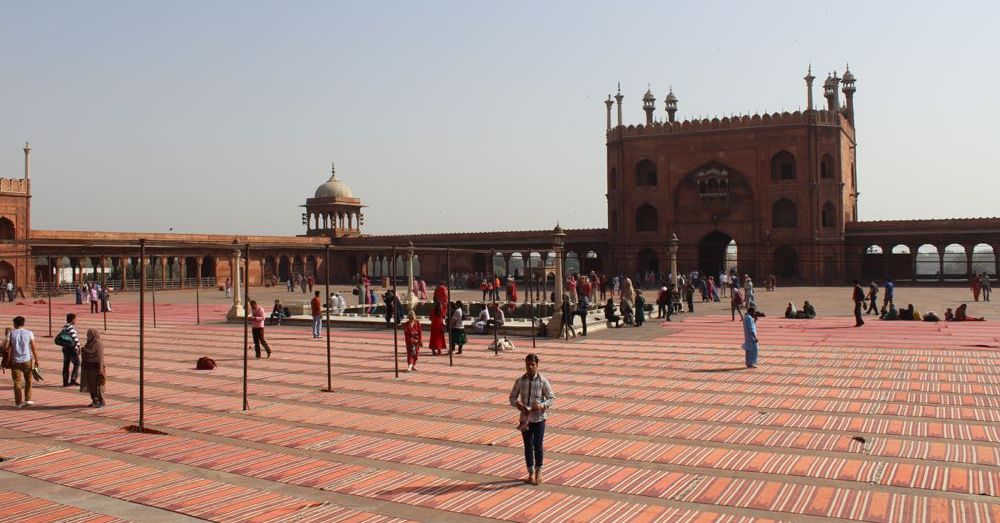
x=618, y=98
x=27, y=161
x=849, y=90
x=648, y=105
x=609, y=103
x=809, y=88
x=671, y=105
x=829, y=92
x=836, y=87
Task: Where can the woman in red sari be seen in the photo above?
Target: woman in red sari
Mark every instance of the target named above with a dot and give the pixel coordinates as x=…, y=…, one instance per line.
x=437, y=341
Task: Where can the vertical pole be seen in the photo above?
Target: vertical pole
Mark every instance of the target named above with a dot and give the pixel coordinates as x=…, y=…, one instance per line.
x=152, y=289
x=447, y=307
x=531, y=285
x=329, y=368
x=395, y=328
x=246, y=320
x=51, y=282
x=496, y=293
x=197, y=302
x=142, y=334
x=104, y=289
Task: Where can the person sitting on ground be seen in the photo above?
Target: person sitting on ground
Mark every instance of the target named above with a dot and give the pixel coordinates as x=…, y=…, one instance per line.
x=917, y=316
x=609, y=314
x=907, y=313
x=961, y=314
x=890, y=312
x=278, y=313
x=790, y=311
x=930, y=316
x=807, y=312
x=949, y=315
x=498, y=318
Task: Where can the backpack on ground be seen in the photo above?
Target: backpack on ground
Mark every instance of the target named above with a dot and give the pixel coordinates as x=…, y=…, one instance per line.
x=205, y=363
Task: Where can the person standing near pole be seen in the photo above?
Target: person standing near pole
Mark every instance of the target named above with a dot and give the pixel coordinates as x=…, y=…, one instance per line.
x=750, y=345
x=23, y=360
x=69, y=341
x=257, y=316
x=316, y=308
x=532, y=395
x=859, y=299
x=414, y=340
x=457, y=326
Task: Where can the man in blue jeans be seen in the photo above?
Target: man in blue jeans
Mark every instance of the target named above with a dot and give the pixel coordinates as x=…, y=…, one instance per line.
x=532, y=395
x=316, y=307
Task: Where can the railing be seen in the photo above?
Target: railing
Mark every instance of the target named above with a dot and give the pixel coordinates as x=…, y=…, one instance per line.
x=42, y=287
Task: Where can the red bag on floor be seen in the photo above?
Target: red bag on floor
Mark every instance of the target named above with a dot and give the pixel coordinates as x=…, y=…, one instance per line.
x=205, y=363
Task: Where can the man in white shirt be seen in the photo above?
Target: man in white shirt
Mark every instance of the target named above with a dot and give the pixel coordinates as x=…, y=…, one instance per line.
x=21, y=343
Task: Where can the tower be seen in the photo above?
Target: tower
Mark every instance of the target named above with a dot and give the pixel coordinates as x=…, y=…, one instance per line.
x=671, y=101
x=618, y=98
x=849, y=90
x=609, y=103
x=809, y=88
x=333, y=210
x=648, y=105
x=829, y=92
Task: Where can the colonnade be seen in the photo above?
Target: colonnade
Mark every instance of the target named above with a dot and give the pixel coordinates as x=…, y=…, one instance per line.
x=323, y=221
x=878, y=258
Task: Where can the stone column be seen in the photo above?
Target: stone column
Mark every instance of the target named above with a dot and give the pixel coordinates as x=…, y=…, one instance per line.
x=163, y=272
x=913, y=261
x=674, y=242
x=123, y=264
x=940, y=251
x=237, y=309
x=182, y=269
x=969, y=250
x=104, y=276
x=555, y=326
x=198, y=261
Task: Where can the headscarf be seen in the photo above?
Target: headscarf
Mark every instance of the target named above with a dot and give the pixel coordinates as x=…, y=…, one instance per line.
x=93, y=350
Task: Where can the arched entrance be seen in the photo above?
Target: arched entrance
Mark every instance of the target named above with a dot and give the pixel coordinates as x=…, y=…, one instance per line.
x=6, y=271
x=647, y=260
x=284, y=268
x=712, y=250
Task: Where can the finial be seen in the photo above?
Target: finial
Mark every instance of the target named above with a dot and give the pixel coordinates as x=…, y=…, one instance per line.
x=619, y=88
x=27, y=146
x=810, y=70
x=333, y=169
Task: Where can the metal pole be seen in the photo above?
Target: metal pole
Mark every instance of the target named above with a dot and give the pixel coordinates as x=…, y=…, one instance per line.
x=246, y=322
x=51, y=279
x=197, y=301
x=447, y=307
x=104, y=289
x=496, y=294
x=329, y=368
x=142, y=334
x=152, y=289
x=531, y=285
x=395, y=327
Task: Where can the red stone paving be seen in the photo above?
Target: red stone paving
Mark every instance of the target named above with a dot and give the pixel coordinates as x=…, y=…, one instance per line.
x=895, y=421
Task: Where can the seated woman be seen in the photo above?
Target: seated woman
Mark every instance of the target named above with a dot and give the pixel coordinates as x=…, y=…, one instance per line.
x=807, y=312
x=278, y=313
x=961, y=314
x=931, y=316
x=498, y=318
x=890, y=312
x=907, y=313
x=790, y=311
x=484, y=319
x=917, y=316
x=609, y=314
x=949, y=315
x=626, y=308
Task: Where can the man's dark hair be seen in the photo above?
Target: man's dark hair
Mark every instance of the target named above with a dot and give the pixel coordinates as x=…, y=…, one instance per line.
x=18, y=322
x=70, y=317
x=317, y=293
x=531, y=357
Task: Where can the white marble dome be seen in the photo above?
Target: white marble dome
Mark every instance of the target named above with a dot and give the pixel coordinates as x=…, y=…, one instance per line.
x=333, y=188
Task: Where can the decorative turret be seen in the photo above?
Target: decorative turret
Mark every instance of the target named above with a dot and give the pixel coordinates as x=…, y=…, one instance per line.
x=609, y=103
x=809, y=88
x=618, y=98
x=333, y=210
x=648, y=105
x=849, y=90
x=829, y=91
x=671, y=105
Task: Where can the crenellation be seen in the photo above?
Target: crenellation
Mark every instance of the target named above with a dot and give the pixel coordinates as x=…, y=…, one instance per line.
x=14, y=185
x=773, y=119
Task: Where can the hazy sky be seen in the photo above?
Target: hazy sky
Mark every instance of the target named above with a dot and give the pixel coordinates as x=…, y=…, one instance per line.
x=461, y=116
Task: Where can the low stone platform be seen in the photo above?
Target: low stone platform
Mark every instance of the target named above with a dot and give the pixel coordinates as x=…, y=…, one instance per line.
x=894, y=421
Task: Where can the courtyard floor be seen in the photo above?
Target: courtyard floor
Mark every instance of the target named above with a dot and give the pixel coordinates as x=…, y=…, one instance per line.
x=895, y=421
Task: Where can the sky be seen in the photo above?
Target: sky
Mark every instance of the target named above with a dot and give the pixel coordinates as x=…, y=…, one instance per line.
x=224, y=116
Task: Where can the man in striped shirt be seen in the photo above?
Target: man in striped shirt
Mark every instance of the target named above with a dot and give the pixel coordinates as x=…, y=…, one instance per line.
x=71, y=355
x=532, y=395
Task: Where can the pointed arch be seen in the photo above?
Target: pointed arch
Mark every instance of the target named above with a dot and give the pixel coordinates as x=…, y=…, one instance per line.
x=784, y=214
x=783, y=166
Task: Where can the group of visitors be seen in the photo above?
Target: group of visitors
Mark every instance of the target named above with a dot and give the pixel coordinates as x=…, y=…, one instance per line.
x=7, y=290
x=980, y=284
x=94, y=294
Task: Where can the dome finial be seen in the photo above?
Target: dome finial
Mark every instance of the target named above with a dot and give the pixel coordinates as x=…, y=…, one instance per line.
x=333, y=170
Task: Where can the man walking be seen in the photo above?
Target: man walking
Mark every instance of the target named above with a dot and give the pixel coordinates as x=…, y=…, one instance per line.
x=859, y=298
x=23, y=359
x=257, y=317
x=69, y=341
x=316, y=308
x=532, y=395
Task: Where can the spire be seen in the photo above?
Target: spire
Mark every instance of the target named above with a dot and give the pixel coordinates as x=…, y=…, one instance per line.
x=608, y=103
x=618, y=98
x=849, y=91
x=27, y=160
x=809, y=87
x=671, y=101
x=649, y=104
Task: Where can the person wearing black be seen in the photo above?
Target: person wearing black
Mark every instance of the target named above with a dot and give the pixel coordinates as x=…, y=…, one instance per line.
x=71, y=351
x=567, y=316
x=582, y=308
x=609, y=314
x=873, y=299
x=640, y=309
x=859, y=299
x=661, y=303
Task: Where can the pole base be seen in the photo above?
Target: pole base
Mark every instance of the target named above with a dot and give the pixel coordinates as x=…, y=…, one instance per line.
x=235, y=312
